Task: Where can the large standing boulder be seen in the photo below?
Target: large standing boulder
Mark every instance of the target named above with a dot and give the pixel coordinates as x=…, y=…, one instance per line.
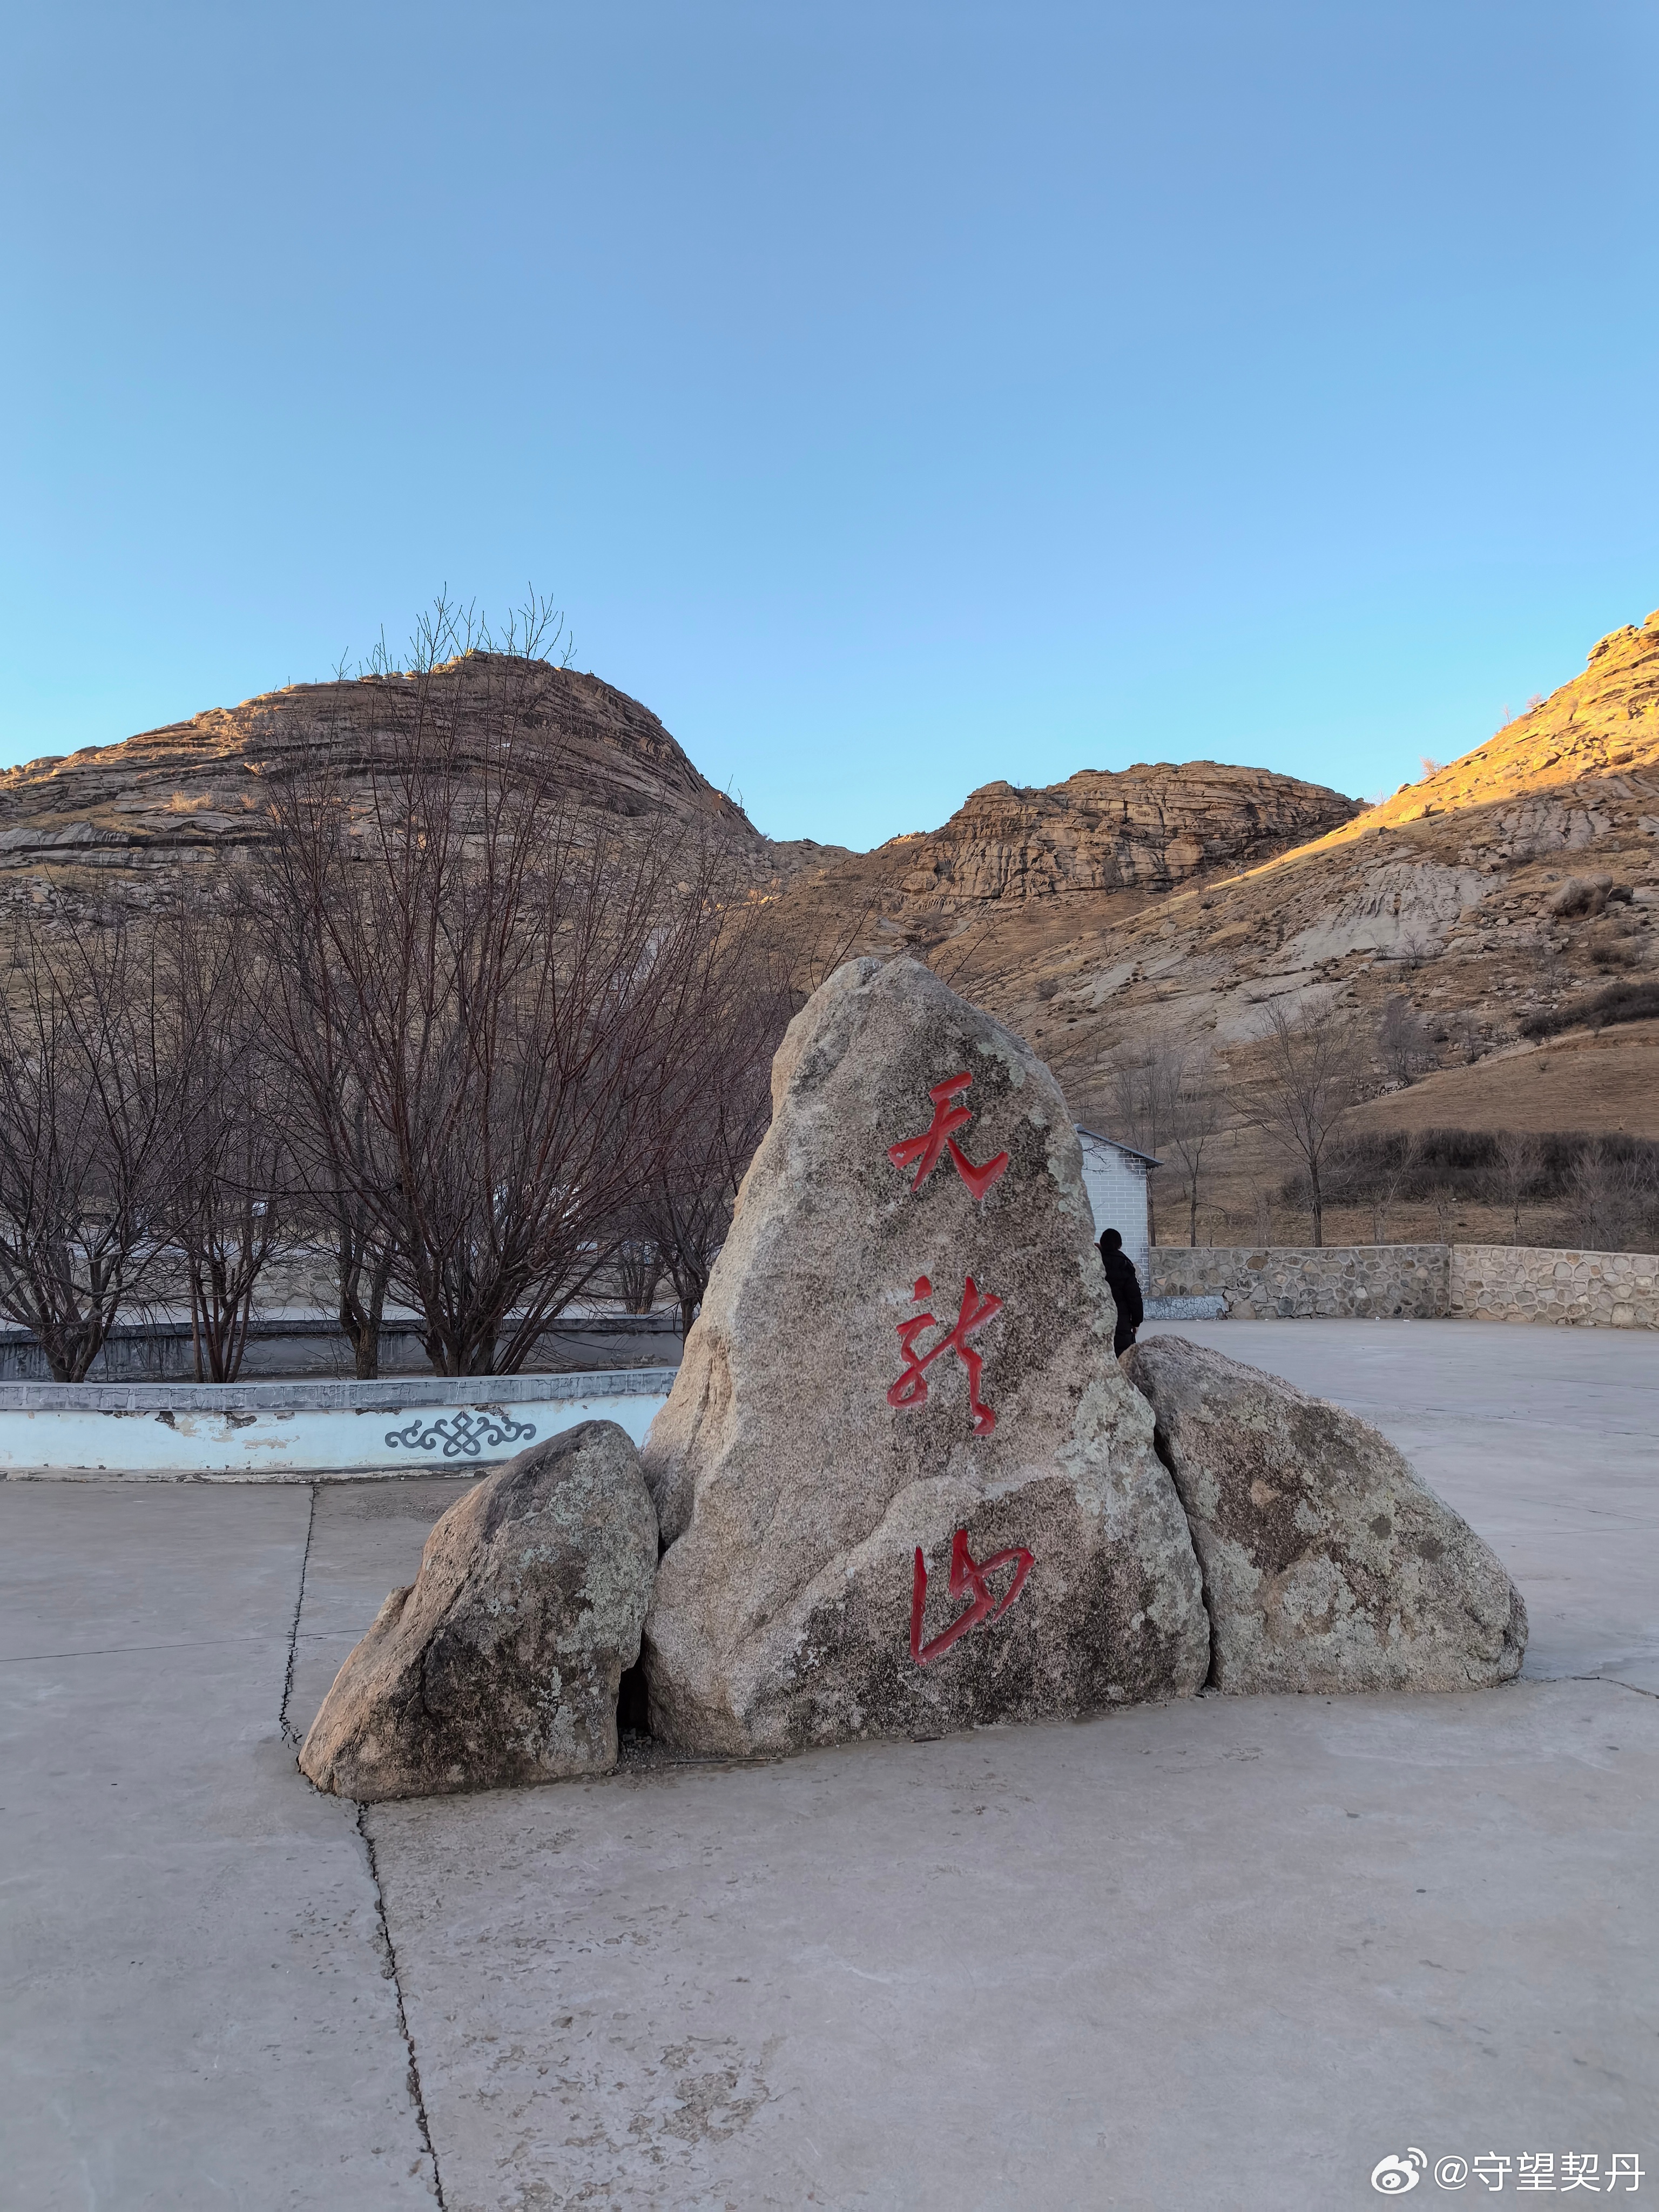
x=501, y=1662
x=903, y=1483
x=1329, y=1564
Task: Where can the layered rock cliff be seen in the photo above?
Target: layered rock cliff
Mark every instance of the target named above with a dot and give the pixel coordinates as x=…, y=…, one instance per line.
x=1514, y=888
x=125, y=818
x=1140, y=829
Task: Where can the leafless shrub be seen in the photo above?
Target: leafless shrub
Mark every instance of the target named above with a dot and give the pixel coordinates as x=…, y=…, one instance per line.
x=1612, y=1202
x=1379, y=1177
x=1261, y=1200
x=1610, y=952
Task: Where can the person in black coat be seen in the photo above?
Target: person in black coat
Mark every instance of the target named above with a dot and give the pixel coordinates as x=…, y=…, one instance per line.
x=1125, y=1287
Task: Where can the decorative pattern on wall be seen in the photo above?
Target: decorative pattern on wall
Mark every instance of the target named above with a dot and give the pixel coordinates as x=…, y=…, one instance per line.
x=463, y=1435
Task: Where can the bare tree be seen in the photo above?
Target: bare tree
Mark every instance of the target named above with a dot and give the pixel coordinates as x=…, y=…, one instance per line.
x=337, y=1167
x=1193, y=1118
x=1402, y=1038
x=227, y=1147
x=720, y=1106
x=89, y=1099
x=1310, y=1080
x=1517, y=1162
x=1391, y=1176
x=637, y=1268
x=485, y=991
x=1610, y=1200
x=688, y=1208
x=1146, y=1084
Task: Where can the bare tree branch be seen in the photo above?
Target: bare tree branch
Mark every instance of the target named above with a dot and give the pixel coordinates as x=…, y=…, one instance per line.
x=1312, y=1078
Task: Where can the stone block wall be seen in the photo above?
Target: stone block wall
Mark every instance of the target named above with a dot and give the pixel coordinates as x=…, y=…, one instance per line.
x=1295, y=1282
x=1603, y=1290
x=1424, y=1282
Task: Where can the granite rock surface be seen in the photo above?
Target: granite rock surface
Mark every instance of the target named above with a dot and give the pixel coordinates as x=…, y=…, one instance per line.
x=501, y=1662
x=904, y=1485
x=1327, y=1564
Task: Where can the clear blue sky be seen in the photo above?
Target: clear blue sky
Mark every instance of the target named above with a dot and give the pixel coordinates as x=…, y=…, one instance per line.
x=895, y=396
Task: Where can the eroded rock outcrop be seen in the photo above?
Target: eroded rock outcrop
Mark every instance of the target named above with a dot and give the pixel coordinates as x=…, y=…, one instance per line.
x=906, y=1350
x=501, y=1662
x=196, y=794
x=1145, y=827
x=1328, y=1565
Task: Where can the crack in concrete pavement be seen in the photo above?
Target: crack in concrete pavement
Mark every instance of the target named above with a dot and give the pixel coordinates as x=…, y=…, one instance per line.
x=390, y=1951
x=383, y=1943
x=288, y=1734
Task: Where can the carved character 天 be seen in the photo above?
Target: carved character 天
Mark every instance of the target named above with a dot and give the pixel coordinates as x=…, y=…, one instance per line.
x=924, y=1151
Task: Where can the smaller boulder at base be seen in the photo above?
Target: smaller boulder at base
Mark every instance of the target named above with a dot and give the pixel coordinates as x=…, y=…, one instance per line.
x=501, y=1663
x=1329, y=1564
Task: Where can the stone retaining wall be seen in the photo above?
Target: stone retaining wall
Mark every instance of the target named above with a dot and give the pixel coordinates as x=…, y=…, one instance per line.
x=1294, y=1282
x=1598, y=1290
x=1424, y=1282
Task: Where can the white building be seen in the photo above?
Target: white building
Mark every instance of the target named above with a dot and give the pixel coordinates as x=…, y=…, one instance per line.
x=1114, y=1176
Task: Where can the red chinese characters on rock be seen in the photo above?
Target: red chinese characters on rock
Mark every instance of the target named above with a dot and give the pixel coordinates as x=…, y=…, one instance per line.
x=911, y=1388
x=968, y=1579
x=924, y=1151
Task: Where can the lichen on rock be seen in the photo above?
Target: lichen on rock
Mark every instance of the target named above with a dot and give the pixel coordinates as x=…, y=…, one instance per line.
x=1329, y=1563
x=501, y=1662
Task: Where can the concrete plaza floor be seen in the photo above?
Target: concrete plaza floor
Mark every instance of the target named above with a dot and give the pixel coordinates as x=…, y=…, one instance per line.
x=1222, y=1952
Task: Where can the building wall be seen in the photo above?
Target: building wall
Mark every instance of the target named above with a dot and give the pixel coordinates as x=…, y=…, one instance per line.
x=1425, y=1282
x=1116, y=1185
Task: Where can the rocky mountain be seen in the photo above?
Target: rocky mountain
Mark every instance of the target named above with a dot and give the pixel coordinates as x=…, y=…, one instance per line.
x=1101, y=844
x=1457, y=887
x=1511, y=888
x=123, y=819
x=1498, y=899
x=1508, y=903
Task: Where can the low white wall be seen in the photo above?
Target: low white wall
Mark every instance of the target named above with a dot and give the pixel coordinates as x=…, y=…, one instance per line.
x=306, y=1431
